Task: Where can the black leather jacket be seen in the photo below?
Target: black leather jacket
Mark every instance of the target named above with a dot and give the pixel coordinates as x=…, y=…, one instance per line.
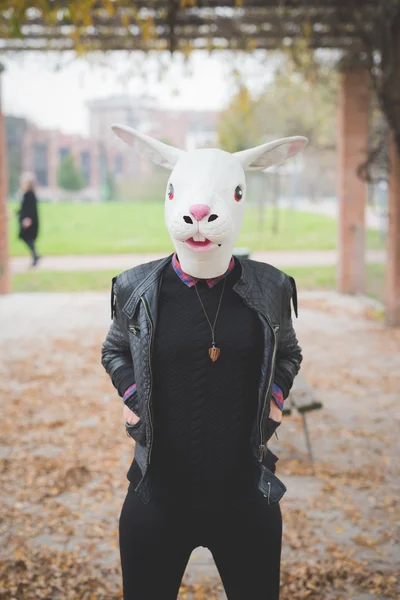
x=134, y=301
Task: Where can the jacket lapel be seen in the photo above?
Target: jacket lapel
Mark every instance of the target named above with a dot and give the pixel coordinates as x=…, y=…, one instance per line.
x=150, y=280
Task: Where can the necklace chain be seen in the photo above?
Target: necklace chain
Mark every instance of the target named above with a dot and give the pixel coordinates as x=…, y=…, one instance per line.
x=212, y=327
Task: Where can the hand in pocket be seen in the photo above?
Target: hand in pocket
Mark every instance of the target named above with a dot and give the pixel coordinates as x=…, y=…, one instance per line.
x=130, y=417
x=275, y=412
x=272, y=426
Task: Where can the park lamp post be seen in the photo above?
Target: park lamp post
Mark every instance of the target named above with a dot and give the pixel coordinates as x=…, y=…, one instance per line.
x=5, y=284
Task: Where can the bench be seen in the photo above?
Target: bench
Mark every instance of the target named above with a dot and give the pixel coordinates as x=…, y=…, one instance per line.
x=302, y=399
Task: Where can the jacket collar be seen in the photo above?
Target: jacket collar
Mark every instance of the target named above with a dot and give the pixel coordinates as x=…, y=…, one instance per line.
x=151, y=279
x=244, y=287
x=190, y=281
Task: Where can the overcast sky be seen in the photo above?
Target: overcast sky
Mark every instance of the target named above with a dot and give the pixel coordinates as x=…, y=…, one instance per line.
x=52, y=89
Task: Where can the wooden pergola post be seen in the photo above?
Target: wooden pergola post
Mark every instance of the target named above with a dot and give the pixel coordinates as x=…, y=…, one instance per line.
x=353, y=104
x=5, y=281
x=392, y=312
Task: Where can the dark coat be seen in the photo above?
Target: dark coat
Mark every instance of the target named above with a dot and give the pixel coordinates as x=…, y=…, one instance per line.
x=134, y=302
x=29, y=209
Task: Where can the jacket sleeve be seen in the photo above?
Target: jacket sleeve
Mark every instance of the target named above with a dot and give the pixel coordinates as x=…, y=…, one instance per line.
x=116, y=356
x=289, y=355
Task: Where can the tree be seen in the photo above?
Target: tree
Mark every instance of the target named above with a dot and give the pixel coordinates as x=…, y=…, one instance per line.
x=238, y=128
x=294, y=104
x=69, y=176
x=14, y=171
x=291, y=104
x=110, y=187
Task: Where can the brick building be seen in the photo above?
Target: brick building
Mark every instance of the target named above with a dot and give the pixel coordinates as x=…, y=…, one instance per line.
x=31, y=148
x=186, y=129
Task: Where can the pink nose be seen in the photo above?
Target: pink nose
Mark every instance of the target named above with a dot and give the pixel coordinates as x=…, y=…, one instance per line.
x=199, y=211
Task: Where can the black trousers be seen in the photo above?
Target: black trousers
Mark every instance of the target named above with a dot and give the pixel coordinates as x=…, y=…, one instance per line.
x=156, y=541
x=32, y=248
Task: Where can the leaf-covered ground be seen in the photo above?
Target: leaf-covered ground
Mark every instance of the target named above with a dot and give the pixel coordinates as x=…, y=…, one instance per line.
x=64, y=455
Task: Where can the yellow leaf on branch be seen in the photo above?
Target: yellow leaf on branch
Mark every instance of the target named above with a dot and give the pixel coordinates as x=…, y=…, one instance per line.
x=87, y=18
x=148, y=29
x=308, y=30
x=125, y=19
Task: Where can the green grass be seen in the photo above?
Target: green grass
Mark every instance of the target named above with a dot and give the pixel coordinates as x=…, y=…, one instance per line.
x=307, y=278
x=375, y=281
x=324, y=278
x=118, y=228
x=62, y=281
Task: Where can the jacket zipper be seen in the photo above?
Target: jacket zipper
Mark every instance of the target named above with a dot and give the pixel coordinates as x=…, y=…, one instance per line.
x=275, y=328
x=151, y=377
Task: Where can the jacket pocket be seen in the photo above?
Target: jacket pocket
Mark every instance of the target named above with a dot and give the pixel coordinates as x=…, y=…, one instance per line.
x=270, y=460
x=135, y=329
x=137, y=432
x=271, y=427
x=272, y=487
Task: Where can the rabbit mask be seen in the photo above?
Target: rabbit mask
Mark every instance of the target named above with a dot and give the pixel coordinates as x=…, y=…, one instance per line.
x=206, y=195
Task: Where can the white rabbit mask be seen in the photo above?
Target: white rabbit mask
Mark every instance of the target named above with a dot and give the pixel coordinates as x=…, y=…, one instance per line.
x=206, y=196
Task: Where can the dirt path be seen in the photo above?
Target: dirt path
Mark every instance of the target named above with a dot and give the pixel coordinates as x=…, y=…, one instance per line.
x=64, y=455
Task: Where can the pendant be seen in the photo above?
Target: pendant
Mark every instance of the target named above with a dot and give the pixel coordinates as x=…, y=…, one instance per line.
x=214, y=353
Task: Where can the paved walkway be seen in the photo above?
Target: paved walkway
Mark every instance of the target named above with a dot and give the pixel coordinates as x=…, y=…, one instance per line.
x=120, y=262
x=71, y=443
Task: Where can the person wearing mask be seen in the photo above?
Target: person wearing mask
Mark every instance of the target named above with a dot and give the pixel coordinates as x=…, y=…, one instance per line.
x=203, y=353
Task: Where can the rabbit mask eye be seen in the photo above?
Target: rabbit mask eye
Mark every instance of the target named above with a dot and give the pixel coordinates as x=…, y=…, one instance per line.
x=238, y=195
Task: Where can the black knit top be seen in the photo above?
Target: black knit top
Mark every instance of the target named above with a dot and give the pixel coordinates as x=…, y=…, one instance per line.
x=203, y=411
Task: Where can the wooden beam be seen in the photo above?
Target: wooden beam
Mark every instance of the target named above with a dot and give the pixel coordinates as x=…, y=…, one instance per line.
x=293, y=5
x=261, y=19
x=393, y=238
x=353, y=193
x=197, y=28
x=257, y=23
x=5, y=282
x=215, y=40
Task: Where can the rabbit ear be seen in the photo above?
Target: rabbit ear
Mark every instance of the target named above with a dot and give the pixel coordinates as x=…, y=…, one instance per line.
x=160, y=153
x=272, y=153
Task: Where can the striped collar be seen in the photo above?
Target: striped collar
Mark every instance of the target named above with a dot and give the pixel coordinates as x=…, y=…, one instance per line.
x=191, y=281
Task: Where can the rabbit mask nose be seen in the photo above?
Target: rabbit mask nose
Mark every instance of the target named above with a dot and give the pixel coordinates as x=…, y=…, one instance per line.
x=199, y=211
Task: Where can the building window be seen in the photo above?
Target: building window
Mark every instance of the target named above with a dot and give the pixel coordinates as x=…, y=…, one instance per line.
x=85, y=165
x=63, y=152
x=40, y=162
x=118, y=165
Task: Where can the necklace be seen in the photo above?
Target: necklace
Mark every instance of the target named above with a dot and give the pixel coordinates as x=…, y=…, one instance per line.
x=213, y=352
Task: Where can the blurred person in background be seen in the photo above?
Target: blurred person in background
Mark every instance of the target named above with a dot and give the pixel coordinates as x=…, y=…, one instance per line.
x=28, y=216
